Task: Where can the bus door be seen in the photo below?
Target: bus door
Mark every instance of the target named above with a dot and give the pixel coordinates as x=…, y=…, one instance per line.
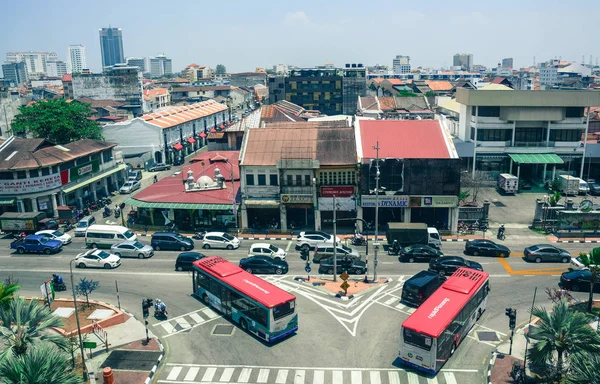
x=226, y=301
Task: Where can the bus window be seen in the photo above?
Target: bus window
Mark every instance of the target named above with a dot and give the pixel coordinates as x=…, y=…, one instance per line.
x=283, y=310
x=415, y=338
x=203, y=281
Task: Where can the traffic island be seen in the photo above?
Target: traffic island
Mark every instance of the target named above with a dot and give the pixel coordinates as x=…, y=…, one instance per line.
x=355, y=286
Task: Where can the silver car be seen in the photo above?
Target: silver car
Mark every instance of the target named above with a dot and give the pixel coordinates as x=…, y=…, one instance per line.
x=130, y=186
x=132, y=248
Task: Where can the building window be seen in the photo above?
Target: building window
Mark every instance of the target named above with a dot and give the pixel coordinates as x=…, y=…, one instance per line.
x=45, y=171
x=34, y=173
x=273, y=180
x=530, y=135
x=21, y=175
x=249, y=179
x=307, y=180
x=494, y=134
x=6, y=176
x=486, y=111
x=289, y=180
x=262, y=179
x=107, y=156
x=565, y=135
x=68, y=165
x=574, y=112
x=298, y=179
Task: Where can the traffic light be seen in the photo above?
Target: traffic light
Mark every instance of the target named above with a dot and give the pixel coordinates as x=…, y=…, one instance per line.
x=122, y=206
x=512, y=317
x=304, y=254
x=146, y=304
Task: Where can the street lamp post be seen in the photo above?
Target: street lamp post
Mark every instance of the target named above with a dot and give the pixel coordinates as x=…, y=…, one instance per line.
x=334, y=241
x=233, y=207
x=77, y=319
x=376, y=241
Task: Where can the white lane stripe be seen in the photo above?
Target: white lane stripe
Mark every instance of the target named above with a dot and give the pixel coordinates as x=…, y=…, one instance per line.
x=432, y=380
x=319, y=377
x=299, y=377
x=209, y=374
x=412, y=378
x=168, y=327
x=210, y=313
x=281, y=376
x=450, y=379
x=227, y=373
x=400, y=306
x=197, y=318
x=184, y=324
x=191, y=375
x=375, y=377
x=390, y=301
x=338, y=377
x=393, y=377
x=263, y=376
x=356, y=377
x=174, y=373
x=411, y=310
x=245, y=375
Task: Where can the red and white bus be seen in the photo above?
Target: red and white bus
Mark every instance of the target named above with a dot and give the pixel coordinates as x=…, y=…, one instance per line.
x=256, y=305
x=433, y=332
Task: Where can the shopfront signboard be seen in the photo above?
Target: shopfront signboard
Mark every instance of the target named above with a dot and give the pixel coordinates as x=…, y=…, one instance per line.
x=385, y=201
x=296, y=198
x=337, y=191
x=31, y=185
x=80, y=171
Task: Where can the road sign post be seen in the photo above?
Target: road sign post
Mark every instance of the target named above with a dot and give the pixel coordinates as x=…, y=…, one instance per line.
x=308, y=269
x=344, y=276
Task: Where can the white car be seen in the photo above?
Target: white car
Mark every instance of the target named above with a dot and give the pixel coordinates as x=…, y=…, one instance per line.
x=130, y=186
x=266, y=249
x=309, y=239
x=577, y=264
x=55, y=235
x=97, y=259
x=220, y=240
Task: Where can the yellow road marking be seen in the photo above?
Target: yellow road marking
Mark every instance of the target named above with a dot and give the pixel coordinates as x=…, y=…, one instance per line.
x=541, y=271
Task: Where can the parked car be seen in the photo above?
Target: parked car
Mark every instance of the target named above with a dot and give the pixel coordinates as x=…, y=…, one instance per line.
x=266, y=249
x=185, y=260
x=350, y=264
x=136, y=174
x=159, y=167
x=577, y=281
x=130, y=186
x=546, y=252
x=264, y=264
x=47, y=224
x=220, y=240
x=577, y=264
x=325, y=251
x=97, y=258
x=55, y=235
x=170, y=241
x=447, y=265
x=132, y=248
x=308, y=239
x=418, y=288
x=418, y=252
x=594, y=189
x=486, y=248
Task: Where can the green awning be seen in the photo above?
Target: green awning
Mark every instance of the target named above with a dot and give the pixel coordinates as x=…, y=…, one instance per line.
x=539, y=158
x=7, y=201
x=95, y=178
x=144, y=204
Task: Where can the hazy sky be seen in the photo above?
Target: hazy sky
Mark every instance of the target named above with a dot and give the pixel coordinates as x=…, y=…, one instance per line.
x=248, y=34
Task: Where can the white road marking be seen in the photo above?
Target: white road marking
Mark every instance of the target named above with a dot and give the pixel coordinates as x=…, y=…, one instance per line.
x=209, y=374
x=411, y=310
x=263, y=376
x=338, y=377
x=375, y=377
x=310, y=368
x=390, y=301
x=400, y=306
x=299, y=376
x=191, y=375
x=281, y=376
x=450, y=379
x=319, y=377
x=174, y=373
x=196, y=317
x=393, y=377
x=245, y=375
x=210, y=313
x=227, y=373
x=356, y=377
x=412, y=378
x=168, y=327
x=184, y=324
x=289, y=245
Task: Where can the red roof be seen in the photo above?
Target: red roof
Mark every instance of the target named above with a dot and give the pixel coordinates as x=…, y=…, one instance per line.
x=67, y=77
x=178, y=147
x=396, y=81
x=403, y=139
x=253, y=286
x=436, y=313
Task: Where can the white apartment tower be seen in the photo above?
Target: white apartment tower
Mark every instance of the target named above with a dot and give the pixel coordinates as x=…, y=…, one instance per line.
x=401, y=64
x=76, y=60
x=35, y=62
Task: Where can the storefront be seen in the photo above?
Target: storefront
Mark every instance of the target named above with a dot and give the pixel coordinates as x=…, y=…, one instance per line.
x=345, y=207
x=394, y=205
x=88, y=190
x=297, y=211
x=263, y=214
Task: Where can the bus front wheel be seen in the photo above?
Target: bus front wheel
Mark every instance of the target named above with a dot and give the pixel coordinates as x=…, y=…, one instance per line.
x=244, y=324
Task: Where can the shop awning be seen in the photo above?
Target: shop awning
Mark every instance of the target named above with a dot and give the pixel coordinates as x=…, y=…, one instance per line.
x=539, y=158
x=7, y=201
x=95, y=178
x=178, y=147
x=262, y=204
x=216, y=135
x=191, y=140
x=161, y=205
x=203, y=135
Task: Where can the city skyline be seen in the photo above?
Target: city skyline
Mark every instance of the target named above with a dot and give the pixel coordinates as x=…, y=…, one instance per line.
x=445, y=31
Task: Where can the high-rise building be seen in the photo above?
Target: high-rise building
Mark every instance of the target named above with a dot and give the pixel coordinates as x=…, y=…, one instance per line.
x=56, y=68
x=160, y=65
x=15, y=73
x=111, y=47
x=401, y=64
x=35, y=62
x=507, y=63
x=76, y=60
x=139, y=62
x=463, y=60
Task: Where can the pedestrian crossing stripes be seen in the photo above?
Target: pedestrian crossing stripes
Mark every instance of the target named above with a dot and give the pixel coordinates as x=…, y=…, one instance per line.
x=188, y=321
x=201, y=374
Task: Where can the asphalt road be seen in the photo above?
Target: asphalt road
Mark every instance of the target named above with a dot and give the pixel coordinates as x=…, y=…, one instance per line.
x=338, y=341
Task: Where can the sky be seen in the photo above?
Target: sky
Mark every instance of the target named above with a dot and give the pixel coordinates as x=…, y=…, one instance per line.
x=244, y=35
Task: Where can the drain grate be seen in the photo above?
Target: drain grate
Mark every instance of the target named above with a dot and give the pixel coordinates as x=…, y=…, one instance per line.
x=499, y=204
x=223, y=330
x=487, y=336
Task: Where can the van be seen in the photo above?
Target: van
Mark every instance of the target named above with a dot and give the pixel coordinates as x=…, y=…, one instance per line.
x=83, y=225
x=418, y=288
x=105, y=236
x=169, y=241
x=325, y=251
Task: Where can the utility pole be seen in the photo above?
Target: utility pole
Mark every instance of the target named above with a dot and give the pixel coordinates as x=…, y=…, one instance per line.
x=234, y=205
x=376, y=242
x=334, y=241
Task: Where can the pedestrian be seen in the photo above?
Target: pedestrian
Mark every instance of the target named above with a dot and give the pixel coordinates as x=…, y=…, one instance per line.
x=155, y=178
x=145, y=228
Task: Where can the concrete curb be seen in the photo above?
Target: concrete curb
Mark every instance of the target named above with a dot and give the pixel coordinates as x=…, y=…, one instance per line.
x=491, y=365
x=577, y=241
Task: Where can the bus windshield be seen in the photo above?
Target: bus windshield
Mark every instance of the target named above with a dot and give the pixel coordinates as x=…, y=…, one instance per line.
x=417, y=339
x=284, y=309
x=128, y=234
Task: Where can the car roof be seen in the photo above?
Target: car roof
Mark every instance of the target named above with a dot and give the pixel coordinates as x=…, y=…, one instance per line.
x=214, y=234
x=34, y=237
x=256, y=257
x=266, y=245
x=47, y=231
x=164, y=234
x=195, y=254
x=481, y=241
x=449, y=258
x=126, y=242
x=422, y=278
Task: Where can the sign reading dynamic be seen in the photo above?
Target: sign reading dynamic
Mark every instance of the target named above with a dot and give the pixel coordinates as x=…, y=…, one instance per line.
x=392, y=201
x=79, y=171
x=31, y=185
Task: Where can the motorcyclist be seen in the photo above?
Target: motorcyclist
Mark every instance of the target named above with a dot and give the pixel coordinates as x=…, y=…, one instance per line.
x=160, y=307
x=395, y=247
x=57, y=279
x=501, y=232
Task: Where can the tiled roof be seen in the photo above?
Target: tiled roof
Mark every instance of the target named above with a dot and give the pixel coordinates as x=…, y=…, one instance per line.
x=368, y=103
x=378, y=80
x=172, y=116
x=411, y=103
x=439, y=85
x=404, y=139
x=194, y=65
x=156, y=92
x=387, y=104
x=67, y=77
x=289, y=107
x=272, y=114
x=396, y=81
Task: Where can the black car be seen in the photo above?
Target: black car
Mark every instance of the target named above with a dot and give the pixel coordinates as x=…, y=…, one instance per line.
x=486, y=248
x=577, y=281
x=418, y=252
x=185, y=259
x=264, y=264
x=594, y=189
x=447, y=265
x=352, y=265
x=170, y=241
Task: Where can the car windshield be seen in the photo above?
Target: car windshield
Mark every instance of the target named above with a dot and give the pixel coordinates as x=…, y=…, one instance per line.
x=273, y=248
x=103, y=254
x=57, y=233
x=138, y=245
x=227, y=236
x=179, y=237
x=128, y=234
x=128, y=184
x=347, y=249
x=82, y=225
x=44, y=240
x=534, y=248
x=468, y=263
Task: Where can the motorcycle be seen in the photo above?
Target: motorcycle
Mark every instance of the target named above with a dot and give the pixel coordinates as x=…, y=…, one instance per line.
x=58, y=284
x=394, y=249
x=160, y=309
x=107, y=212
x=86, y=211
x=500, y=234
x=358, y=239
x=19, y=236
x=199, y=235
x=117, y=213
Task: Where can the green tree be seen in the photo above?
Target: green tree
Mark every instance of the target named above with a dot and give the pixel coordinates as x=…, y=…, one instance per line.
x=221, y=70
x=86, y=287
x=431, y=93
x=7, y=293
x=584, y=369
x=560, y=334
x=406, y=93
x=463, y=196
x=592, y=262
x=41, y=364
x=26, y=323
x=57, y=120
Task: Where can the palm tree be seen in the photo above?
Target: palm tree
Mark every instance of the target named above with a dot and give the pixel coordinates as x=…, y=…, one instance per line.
x=7, y=292
x=26, y=323
x=585, y=369
x=592, y=262
x=42, y=363
x=560, y=333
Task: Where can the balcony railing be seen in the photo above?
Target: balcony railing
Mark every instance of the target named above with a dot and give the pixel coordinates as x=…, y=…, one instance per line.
x=531, y=144
x=297, y=189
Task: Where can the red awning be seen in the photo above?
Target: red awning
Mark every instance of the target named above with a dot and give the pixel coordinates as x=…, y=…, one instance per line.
x=203, y=135
x=178, y=147
x=191, y=140
x=222, y=126
x=213, y=130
